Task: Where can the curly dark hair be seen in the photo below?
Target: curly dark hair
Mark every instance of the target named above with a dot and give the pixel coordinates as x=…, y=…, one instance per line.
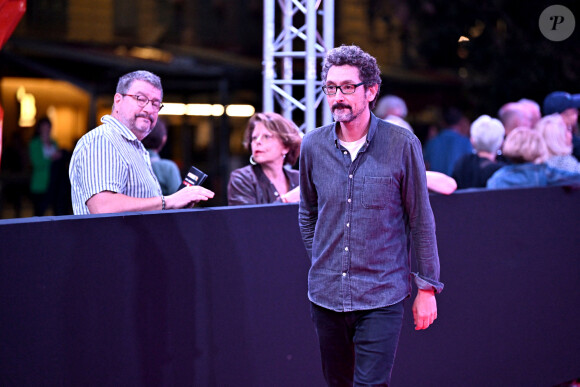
x=369, y=71
x=282, y=127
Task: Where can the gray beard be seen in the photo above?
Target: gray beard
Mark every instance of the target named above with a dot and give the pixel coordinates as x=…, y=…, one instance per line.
x=343, y=117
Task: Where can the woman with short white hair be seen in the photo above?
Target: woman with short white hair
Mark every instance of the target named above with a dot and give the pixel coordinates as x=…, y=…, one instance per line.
x=473, y=170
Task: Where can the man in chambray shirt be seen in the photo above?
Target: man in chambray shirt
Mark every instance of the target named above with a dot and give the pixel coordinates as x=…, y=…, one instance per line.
x=364, y=202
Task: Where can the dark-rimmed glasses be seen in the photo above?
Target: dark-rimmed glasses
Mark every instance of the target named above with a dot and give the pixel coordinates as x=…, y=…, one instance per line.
x=349, y=88
x=142, y=101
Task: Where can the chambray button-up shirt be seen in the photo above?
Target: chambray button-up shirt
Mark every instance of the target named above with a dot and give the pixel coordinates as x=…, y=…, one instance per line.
x=359, y=218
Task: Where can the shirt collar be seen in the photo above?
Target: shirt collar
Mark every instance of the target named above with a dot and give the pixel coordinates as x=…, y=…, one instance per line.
x=370, y=134
x=119, y=127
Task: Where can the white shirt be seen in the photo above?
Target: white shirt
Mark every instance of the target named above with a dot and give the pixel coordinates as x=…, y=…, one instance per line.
x=353, y=146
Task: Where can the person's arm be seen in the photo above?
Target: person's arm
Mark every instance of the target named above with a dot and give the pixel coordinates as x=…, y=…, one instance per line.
x=291, y=196
x=440, y=183
x=308, y=208
x=422, y=225
x=113, y=202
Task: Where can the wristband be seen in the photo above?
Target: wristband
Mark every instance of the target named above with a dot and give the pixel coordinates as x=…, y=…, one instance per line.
x=162, y=202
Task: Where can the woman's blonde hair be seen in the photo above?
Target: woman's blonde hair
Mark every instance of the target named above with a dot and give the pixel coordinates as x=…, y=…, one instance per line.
x=525, y=145
x=554, y=130
x=285, y=129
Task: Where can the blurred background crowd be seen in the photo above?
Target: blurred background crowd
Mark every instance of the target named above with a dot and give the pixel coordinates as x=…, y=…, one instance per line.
x=478, y=83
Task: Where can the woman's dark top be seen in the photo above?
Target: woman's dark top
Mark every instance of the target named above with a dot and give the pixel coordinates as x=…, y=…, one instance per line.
x=249, y=185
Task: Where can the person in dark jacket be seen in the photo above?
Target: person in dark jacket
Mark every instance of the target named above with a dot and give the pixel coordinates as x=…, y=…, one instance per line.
x=275, y=145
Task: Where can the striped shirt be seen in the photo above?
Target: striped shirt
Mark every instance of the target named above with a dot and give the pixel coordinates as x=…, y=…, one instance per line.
x=110, y=158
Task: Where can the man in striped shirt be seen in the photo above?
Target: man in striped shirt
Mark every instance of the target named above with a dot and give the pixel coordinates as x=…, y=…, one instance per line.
x=110, y=169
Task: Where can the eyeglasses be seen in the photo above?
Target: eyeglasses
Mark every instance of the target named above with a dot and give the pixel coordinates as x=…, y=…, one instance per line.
x=142, y=101
x=345, y=89
x=264, y=137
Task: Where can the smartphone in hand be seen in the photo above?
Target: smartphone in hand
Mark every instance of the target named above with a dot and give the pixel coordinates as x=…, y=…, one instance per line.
x=193, y=177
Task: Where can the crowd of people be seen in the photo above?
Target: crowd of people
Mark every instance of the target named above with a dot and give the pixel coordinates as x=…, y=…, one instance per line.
x=490, y=152
x=462, y=155
x=520, y=148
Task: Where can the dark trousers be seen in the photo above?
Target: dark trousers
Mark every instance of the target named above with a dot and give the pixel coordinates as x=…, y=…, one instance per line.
x=358, y=348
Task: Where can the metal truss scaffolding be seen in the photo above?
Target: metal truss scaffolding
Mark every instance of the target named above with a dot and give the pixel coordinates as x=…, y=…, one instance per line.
x=303, y=43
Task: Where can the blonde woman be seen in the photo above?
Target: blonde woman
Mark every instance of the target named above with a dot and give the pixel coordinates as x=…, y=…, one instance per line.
x=527, y=151
x=558, y=138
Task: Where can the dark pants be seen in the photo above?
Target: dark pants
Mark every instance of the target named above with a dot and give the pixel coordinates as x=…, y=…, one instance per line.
x=358, y=348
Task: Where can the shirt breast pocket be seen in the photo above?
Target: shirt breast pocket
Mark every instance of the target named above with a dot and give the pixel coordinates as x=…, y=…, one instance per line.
x=376, y=192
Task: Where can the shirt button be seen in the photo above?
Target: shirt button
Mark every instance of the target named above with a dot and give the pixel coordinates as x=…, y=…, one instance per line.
x=349, y=200
x=348, y=225
x=345, y=152
x=350, y=176
x=344, y=274
x=346, y=248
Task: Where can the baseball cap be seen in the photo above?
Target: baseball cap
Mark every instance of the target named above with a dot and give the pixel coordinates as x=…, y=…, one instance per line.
x=558, y=101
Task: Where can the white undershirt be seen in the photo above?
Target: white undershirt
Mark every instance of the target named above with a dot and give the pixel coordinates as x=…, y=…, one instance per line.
x=354, y=146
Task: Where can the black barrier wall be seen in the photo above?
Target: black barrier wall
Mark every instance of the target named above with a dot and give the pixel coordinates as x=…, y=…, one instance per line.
x=217, y=297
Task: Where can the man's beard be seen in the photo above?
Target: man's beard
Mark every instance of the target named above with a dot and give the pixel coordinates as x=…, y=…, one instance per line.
x=141, y=129
x=343, y=116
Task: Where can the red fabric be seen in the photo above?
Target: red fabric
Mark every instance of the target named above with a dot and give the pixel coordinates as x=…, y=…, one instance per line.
x=1, y=122
x=11, y=12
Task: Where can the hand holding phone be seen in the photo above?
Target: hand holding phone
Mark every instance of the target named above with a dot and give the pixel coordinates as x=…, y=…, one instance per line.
x=193, y=177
